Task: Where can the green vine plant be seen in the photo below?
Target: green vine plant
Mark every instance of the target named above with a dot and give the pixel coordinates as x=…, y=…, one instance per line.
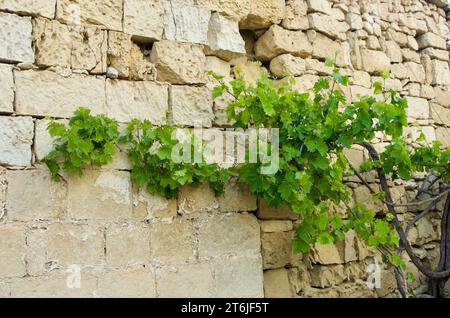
x=314, y=130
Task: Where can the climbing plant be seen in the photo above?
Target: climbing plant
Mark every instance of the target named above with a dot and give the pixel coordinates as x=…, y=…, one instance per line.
x=314, y=130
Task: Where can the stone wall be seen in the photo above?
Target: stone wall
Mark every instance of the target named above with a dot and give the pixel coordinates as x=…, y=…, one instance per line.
x=147, y=59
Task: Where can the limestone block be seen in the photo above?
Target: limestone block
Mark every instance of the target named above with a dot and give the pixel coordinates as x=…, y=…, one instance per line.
x=236, y=234
x=295, y=15
x=430, y=39
x=440, y=115
x=46, y=93
x=12, y=250
x=375, y=61
x=190, y=280
x=265, y=212
x=393, y=52
x=415, y=132
x=440, y=73
x=70, y=47
x=218, y=66
x=152, y=206
x=56, y=285
x=409, y=70
x=172, y=242
x=272, y=226
x=276, y=249
x=436, y=53
x=236, y=198
x=58, y=246
x=327, y=254
x=324, y=47
x=355, y=156
x=442, y=96
x=224, y=39
x=119, y=52
x=239, y=277
x=16, y=138
x=6, y=89
x=107, y=13
x=418, y=108
x=263, y=14
x=327, y=276
x=135, y=283
x=236, y=8
x=276, y=284
x=328, y=25
x=442, y=135
x=127, y=244
x=186, y=23
x=287, y=65
x=354, y=20
x=192, y=106
x=141, y=69
x=33, y=195
x=323, y=6
x=361, y=194
x=411, y=56
x=144, y=19
x=178, y=63
x=361, y=78
x=277, y=41
x=106, y=195
x=127, y=100
x=45, y=8
x=15, y=38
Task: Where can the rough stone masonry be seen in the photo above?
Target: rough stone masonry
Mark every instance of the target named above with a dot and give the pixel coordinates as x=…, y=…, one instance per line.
x=147, y=59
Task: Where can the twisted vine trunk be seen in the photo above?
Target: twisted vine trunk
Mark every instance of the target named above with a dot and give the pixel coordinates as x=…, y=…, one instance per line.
x=436, y=285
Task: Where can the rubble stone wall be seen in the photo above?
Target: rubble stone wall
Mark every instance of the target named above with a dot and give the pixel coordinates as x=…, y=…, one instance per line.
x=98, y=236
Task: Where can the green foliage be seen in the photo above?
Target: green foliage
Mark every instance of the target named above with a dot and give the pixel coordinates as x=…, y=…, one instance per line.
x=87, y=140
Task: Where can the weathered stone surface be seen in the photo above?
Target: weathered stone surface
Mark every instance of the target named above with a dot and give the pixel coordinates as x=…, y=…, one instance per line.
x=236, y=198
x=439, y=114
x=247, y=70
x=55, y=285
x=236, y=8
x=418, y=108
x=354, y=20
x=442, y=135
x=324, y=47
x=430, y=39
x=192, y=106
x=218, y=66
x=272, y=226
x=415, y=132
x=127, y=244
x=106, y=195
x=409, y=70
x=440, y=73
x=144, y=19
x=224, y=39
x=119, y=52
x=263, y=14
x=328, y=253
x=197, y=199
x=186, y=23
x=58, y=246
x=239, y=277
x=127, y=100
x=15, y=38
x=172, y=242
x=16, y=138
x=45, y=8
x=104, y=13
x=436, y=53
x=327, y=276
x=46, y=93
x=265, y=212
x=322, y=6
x=190, y=280
x=276, y=249
x=236, y=234
x=361, y=194
x=33, y=195
x=152, y=206
x=375, y=61
x=276, y=284
x=361, y=78
x=178, y=63
x=277, y=41
x=295, y=17
x=66, y=46
x=136, y=283
x=6, y=89
x=393, y=52
x=410, y=56
x=328, y=25
x=355, y=156
x=141, y=69
x=12, y=251
x=287, y=65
